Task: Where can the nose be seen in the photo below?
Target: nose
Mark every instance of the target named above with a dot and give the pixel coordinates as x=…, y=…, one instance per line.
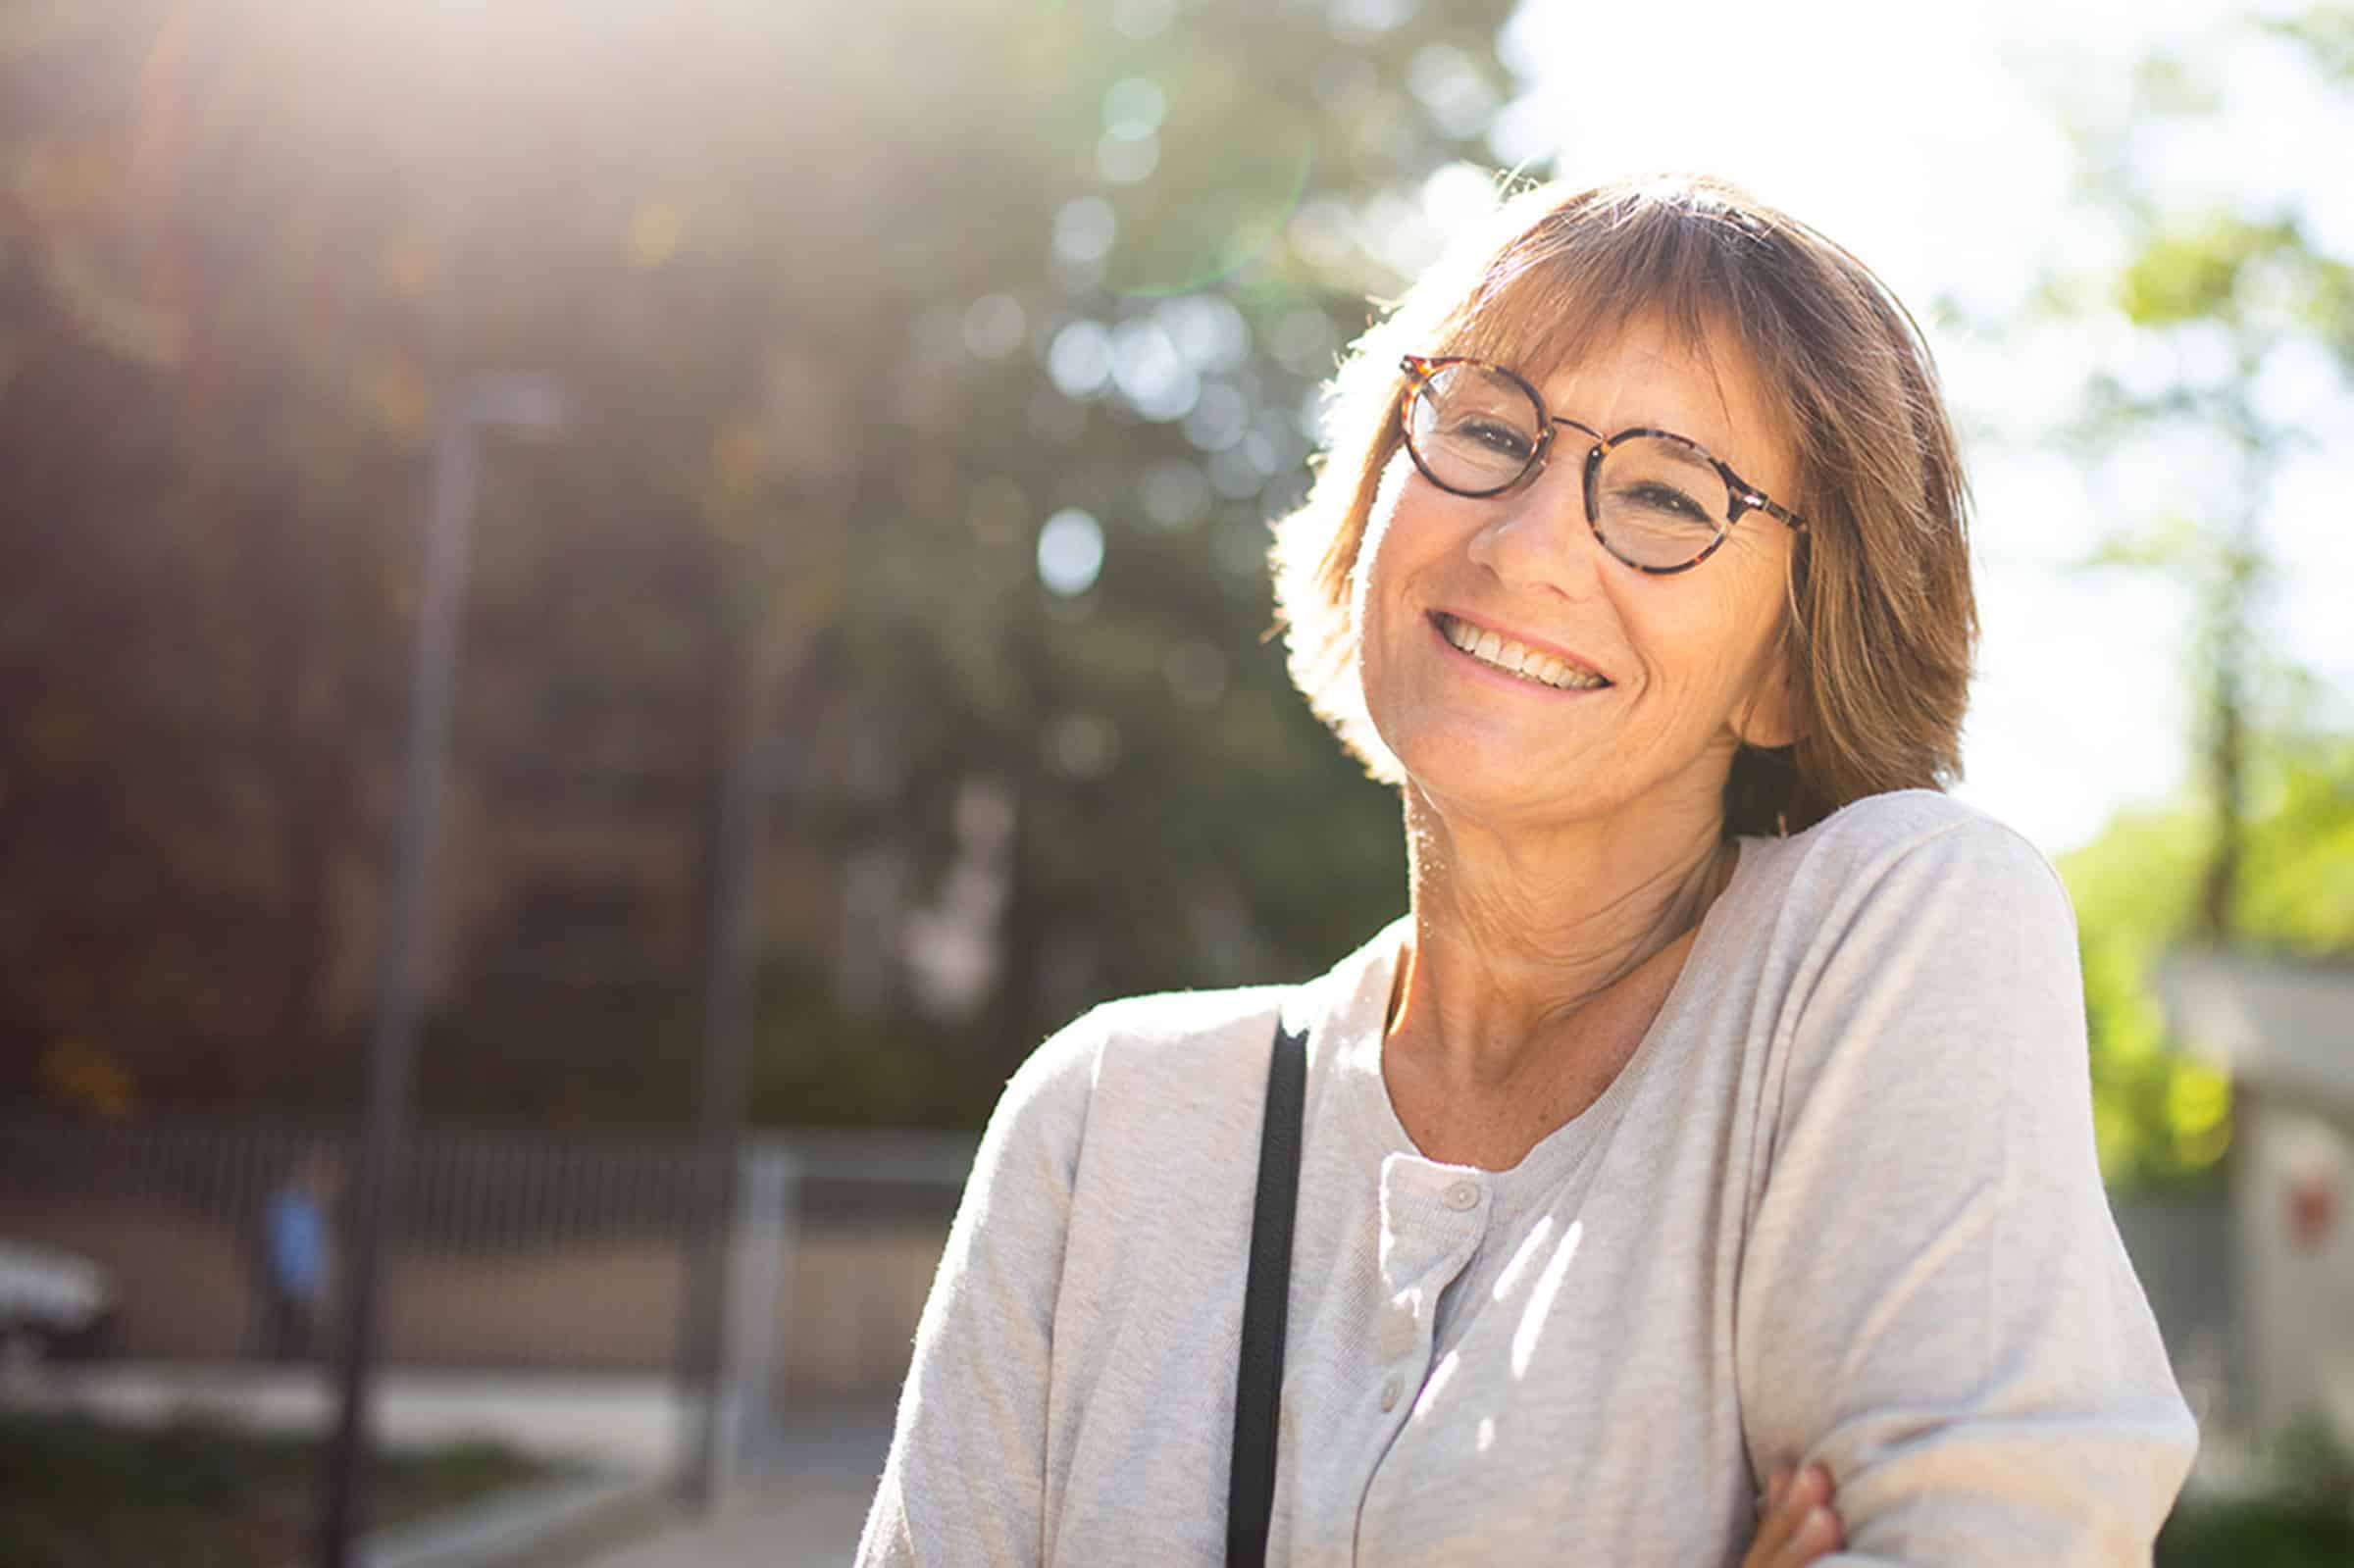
x=1538, y=537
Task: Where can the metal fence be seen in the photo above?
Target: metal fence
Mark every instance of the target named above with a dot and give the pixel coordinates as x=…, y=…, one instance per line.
x=512, y=1251
x=2183, y=1250
x=518, y=1252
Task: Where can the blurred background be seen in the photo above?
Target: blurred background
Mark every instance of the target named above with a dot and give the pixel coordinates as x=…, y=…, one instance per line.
x=865, y=426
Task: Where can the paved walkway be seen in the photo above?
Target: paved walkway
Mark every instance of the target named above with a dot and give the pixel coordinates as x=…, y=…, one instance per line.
x=801, y=1505
x=773, y=1524
x=802, y=1499
x=795, y=1522
x=623, y=1423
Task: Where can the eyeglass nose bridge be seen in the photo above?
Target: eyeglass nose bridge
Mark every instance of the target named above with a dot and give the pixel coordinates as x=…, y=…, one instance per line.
x=1540, y=455
x=1590, y=483
x=1551, y=424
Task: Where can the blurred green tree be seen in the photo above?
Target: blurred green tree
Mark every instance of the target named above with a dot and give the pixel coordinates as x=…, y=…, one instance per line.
x=2162, y=1117
x=932, y=380
x=2224, y=300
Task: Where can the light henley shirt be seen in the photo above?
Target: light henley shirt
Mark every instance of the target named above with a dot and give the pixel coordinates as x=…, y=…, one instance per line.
x=1840, y=1205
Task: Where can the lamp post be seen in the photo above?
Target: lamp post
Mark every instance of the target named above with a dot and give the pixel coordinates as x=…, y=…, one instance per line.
x=714, y=1414
x=521, y=402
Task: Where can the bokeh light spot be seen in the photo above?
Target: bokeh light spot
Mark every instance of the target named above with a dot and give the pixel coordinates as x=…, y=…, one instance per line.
x=1458, y=194
x=1304, y=344
x=656, y=230
x=1450, y=87
x=1143, y=18
x=993, y=326
x=1196, y=672
x=1084, y=230
x=1134, y=107
x=1174, y=493
x=1364, y=20
x=1207, y=330
x=1082, y=745
x=1342, y=83
x=1070, y=553
x=1080, y=359
x=1124, y=160
x=1219, y=417
x=1323, y=232
x=1150, y=372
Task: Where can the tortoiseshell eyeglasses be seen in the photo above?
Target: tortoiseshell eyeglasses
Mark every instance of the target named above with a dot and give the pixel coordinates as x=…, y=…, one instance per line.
x=1656, y=500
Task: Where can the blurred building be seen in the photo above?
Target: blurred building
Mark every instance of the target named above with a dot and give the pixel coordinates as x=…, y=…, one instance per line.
x=2284, y=1031
x=577, y=845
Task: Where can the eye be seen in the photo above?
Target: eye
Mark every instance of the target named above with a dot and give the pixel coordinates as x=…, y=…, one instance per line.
x=1500, y=437
x=1668, y=502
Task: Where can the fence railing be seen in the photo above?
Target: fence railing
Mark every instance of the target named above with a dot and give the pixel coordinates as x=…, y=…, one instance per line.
x=510, y=1251
x=517, y=1251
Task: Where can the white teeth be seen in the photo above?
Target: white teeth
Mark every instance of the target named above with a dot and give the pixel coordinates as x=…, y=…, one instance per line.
x=1490, y=648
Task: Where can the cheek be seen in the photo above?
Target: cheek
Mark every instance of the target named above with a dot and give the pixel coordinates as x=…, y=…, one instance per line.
x=1381, y=528
x=1709, y=651
x=1384, y=556
x=1757, y=671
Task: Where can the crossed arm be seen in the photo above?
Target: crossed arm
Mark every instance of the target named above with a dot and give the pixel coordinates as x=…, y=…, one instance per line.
x=1934, y=1302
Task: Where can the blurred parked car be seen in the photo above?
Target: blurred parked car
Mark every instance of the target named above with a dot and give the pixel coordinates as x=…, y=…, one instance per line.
x=53, y=1304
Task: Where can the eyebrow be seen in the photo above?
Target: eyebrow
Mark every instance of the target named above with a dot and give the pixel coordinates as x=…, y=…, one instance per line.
x=1713, y=448
x=1716, y=375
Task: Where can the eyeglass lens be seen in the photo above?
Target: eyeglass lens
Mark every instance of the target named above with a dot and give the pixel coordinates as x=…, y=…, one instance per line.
x=1658, y=503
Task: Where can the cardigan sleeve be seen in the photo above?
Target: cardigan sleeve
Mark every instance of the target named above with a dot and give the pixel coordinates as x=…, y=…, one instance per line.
x=1933, y=1300
x=965, y=1478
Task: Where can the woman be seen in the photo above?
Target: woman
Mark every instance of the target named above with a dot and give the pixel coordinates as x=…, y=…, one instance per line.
x=1720, y=1106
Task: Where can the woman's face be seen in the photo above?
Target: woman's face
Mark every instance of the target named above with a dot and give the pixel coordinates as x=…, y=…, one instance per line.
x=1687, y=664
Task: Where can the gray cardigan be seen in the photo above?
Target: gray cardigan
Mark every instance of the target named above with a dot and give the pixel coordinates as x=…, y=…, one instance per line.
x=1841, y=1205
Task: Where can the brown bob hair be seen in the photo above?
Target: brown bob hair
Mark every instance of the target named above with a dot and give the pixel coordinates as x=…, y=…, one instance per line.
x=1881, y=623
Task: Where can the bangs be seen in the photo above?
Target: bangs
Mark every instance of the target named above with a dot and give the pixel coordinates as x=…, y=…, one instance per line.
x=1572, y=283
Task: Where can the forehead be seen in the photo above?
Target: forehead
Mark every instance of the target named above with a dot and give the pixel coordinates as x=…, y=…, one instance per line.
x=1614, y=347
x=1649, y=374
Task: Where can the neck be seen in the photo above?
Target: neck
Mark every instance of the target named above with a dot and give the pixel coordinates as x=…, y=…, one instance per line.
x=1520, y=942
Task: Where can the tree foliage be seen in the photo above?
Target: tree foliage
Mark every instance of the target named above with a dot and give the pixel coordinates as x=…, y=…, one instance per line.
x=2219, y=295
x=2163, y=1117
x=843, y=314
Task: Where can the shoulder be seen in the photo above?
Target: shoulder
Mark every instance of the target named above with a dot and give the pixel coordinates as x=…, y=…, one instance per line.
x=1188, y=1042
x=1913, y=897
x=1878, y=826
x=1925, y=991
x=1913, y=845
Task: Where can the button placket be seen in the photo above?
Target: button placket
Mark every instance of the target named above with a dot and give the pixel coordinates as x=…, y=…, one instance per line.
x=1432, y=1220
x=1400, y=1331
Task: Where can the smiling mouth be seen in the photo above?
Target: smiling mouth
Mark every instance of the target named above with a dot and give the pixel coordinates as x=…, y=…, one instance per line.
x=1533, y=665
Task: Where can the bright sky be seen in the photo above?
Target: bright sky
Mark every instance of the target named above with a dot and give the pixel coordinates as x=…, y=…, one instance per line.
x=1925, y=140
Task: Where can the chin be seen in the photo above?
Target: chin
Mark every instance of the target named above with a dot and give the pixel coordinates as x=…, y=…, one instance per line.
x=1474, y=768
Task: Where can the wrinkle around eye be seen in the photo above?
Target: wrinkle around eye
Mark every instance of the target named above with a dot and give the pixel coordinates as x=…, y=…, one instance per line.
x=1671, y=503
x=1495, y=436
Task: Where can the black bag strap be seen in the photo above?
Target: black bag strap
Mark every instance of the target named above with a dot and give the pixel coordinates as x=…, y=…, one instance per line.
x=1267, y=1297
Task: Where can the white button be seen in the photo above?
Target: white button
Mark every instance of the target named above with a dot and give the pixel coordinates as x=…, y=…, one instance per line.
x=1390, y=1392
x=1462, y=1195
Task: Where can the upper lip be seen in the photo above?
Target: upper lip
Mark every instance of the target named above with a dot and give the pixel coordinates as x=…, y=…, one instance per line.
x=1535, y=644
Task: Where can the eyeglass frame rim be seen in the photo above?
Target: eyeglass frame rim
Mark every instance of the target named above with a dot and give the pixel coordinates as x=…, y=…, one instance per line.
x=1744, y=497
